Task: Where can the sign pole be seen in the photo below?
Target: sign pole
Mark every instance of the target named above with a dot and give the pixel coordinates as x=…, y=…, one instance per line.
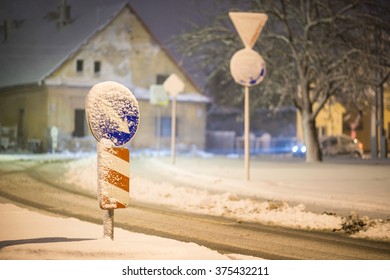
x=158, y=128
x=246, y=132
x=158, y=97
x=173, y=131
x=247, y=66
x=108, y=223
x=112, y=115
x=174, y=86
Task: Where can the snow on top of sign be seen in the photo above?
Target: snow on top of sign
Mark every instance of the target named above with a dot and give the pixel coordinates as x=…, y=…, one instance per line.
x=112, y=112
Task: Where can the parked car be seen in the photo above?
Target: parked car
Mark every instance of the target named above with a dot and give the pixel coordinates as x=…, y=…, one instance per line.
x=333, y=146
x=341, y=145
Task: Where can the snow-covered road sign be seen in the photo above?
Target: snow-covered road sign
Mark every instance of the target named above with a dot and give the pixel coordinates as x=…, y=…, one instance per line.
x=158, y=95
x=112, y=112
x=246, y=66
x=113, y=176
x=113, y=115
x=248, y=26
x=173, y=85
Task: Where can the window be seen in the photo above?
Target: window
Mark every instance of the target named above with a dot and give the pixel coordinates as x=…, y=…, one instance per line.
x=79, y=123
x=165, y=127
x=348, y=120
x=96, y=67
x=79, y=65
x=160, y=79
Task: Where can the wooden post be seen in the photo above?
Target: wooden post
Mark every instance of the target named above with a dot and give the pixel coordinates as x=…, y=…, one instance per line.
x=174, y=86
x=173, y=131
x=108, y=223
x=158, y=128
x=246, y=134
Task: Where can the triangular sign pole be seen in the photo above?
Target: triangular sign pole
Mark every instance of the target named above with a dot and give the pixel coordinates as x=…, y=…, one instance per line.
x=248, y=26
x=174, y=86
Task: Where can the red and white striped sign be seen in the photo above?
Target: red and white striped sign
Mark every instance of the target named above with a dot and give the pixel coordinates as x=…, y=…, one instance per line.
x=113, y=176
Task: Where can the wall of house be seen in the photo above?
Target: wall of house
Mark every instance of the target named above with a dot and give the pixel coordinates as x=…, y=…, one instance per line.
x=387, y=115
x=63, y=101
x=191, y=122
x=148, y=59
x=363, y=130
x=127, y=53
x=329, y=121
x=25, y=108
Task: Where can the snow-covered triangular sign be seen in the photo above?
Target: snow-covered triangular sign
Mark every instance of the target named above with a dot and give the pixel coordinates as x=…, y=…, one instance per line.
x=248, y=26
x=173, y=85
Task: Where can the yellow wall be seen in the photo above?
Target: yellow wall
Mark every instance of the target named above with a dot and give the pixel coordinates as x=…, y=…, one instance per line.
x=191, y=125
x=31, y=99
x=387, y=113
x=329, y=120
x=63, y=101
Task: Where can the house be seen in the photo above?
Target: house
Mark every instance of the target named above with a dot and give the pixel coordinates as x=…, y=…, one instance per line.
x=335, y=119
x=329, y=120
x=53, y=52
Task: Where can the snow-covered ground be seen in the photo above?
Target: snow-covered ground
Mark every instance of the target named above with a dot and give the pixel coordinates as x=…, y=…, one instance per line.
x=185, y=189
x=30, y=235
x=182, y=187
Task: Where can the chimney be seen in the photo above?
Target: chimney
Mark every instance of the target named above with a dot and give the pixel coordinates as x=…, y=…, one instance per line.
x=5, y=30
x=8, y=26
x=63, y=14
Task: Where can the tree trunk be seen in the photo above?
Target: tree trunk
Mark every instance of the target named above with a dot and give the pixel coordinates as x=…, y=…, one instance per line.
x=310, y=136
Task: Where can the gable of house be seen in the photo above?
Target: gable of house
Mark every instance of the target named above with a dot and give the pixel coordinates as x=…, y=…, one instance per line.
x=121, y=49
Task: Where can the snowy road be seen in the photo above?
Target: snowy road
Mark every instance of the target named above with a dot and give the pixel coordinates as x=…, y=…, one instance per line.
x=333, y=186
x=36, y=185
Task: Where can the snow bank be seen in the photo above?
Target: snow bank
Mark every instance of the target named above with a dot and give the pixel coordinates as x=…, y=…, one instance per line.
x=83, y=173
x=31, y=235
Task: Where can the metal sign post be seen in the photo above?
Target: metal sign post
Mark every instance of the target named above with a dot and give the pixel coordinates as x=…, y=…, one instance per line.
x=158, y=97
x=174, y=86
x=113, y=116
x=247, y=67
x=246, y=133
x=54, y=138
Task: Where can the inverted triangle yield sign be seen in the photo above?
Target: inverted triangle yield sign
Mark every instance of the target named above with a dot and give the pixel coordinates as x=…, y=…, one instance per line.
x=248, y=26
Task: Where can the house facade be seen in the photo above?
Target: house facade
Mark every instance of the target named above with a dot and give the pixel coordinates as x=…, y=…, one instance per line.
x=98, y=44
x=335, y=119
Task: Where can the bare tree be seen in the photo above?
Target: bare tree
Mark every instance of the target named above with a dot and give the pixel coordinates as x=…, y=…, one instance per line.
x=314, y=50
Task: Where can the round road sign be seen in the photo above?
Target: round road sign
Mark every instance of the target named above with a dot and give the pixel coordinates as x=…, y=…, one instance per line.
x=247, y=67
x=112, y=112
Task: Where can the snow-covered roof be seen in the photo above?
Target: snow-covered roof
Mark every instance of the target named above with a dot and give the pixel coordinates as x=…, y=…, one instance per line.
x=38, y=46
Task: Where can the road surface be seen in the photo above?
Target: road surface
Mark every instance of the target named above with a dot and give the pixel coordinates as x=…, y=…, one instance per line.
x=35, y=185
